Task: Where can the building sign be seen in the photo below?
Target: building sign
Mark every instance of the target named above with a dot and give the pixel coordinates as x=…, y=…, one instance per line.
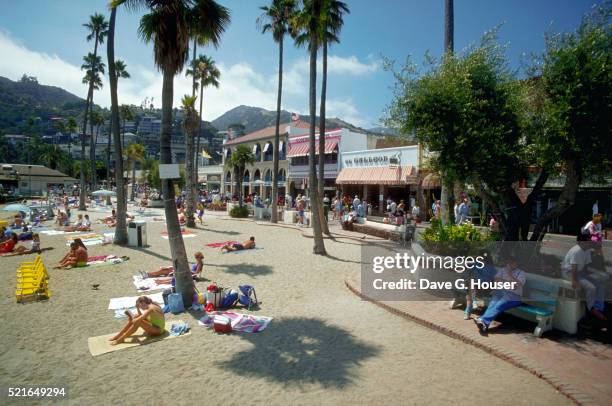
x=169, y=171
x=385, y=157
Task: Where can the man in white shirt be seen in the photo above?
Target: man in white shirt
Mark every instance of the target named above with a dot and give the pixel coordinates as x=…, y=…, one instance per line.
x=504, y=299
x=574, y=267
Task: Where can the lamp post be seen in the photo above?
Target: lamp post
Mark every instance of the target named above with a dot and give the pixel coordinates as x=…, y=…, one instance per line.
x=30, y=179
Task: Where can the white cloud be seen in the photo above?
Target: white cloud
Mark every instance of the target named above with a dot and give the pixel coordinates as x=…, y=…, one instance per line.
x=240, y=83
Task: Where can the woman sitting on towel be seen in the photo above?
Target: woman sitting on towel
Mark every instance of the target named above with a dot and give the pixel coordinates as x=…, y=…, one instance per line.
x=196, y=270
x=34, y=249
x=150, y=318
x=9, y=245
x=247, y=245
x=77, y=257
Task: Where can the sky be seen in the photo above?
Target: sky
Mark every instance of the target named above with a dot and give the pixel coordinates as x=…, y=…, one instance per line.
x=46, y=39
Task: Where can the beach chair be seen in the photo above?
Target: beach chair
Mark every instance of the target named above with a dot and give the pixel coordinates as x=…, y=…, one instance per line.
x=32, y=283
x=248, y=297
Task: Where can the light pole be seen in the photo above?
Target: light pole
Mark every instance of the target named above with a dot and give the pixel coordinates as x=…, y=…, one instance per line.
x=30, y=180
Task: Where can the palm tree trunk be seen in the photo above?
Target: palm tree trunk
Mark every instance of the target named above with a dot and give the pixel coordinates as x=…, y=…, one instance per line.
x=319, y=245
x=184, y=281
x=133, y=180
x=108, y=160
x=121, y=237
x=197, y=152
x=275, y=154
x=449, y=26
x=190, y=197
x=321, y=179
x=82, y=205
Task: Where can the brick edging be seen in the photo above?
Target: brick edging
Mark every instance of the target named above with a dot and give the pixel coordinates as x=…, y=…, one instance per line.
x=518, y=361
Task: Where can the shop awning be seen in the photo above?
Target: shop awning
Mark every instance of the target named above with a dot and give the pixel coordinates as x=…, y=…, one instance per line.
x=302, y=148
x=431, y=181
x=378, y=175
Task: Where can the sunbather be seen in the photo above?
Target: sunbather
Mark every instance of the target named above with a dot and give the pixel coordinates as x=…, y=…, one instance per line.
x=150, y=318
x=77, y=257
x=34, y=249
x=70, y=257
x=247, y=245
x=196, y=271
x=9, y=246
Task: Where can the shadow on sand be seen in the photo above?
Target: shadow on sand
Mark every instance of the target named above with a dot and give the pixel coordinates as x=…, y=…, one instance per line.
x=252, y=270
x=300, y=351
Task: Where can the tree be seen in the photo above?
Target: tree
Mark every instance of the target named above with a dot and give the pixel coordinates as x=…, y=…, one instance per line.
x=331, y=24
x=121, y=237
x=465, y=110
x=307, y=23
x=135, y=153
x=449, y=47
x=127, y=114
x=276, y=18
x=121, y=73
x=168, y=25
x=190, y=124
x=98, y=29
x=207, y=74
x=574, y=75
x=53, y=156
x=240, y=158
x=97, y=119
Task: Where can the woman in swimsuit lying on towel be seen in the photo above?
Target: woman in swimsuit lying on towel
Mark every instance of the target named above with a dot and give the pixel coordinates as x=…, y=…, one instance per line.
x=247, y=245
x=150, y=318
x=196, y=271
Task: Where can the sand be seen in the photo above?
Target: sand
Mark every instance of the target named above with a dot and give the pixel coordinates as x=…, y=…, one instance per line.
x=324, y=346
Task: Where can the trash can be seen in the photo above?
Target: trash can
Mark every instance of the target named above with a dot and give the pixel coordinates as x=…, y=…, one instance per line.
x=137, y=234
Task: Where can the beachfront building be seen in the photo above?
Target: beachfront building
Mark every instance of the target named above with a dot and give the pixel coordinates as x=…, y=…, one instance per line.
x=258, y=177
x=32, y=180
x=210, y=176
x=378, y=174
x=337, y=142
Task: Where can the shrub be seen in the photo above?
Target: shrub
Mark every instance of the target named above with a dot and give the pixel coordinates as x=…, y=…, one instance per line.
x=455, y=239
x=239, y=212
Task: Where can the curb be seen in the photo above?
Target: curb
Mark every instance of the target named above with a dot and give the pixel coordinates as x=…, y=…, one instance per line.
x=517, y=360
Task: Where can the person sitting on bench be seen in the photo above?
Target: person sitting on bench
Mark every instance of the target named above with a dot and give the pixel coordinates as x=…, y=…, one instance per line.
x=150, y=318
x=575, y=268
x=504, y=299
x=196, y=270
x=247, y=245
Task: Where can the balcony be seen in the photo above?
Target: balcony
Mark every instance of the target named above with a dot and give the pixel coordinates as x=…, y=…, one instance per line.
x=301, y=171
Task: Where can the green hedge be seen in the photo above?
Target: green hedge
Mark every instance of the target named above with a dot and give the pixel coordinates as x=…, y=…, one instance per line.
x=239, y=212
x=454, y=239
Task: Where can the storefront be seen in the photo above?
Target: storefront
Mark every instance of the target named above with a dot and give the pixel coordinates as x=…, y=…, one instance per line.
x=380, y=174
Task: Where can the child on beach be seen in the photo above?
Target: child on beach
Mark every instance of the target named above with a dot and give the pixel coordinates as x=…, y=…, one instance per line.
x=150, y=318
x=200, y=212
x=20, y=250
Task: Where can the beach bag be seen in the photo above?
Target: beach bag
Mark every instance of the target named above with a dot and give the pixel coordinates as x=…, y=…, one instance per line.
x=175, y=301
x=230, y=299
x=214, y=295
x=222, y=325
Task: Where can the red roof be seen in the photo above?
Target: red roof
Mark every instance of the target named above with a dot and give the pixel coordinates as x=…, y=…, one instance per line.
x=268, y=132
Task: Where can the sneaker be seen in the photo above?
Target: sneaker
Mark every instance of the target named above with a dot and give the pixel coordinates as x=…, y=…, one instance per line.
x=481, y=326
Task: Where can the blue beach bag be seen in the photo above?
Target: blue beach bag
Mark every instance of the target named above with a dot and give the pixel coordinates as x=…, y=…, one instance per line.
x=175, y=301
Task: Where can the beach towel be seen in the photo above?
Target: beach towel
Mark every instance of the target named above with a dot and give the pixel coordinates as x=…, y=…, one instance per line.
x=57, y=232
x=221, y=244
x=129, y=302
x=91, y=239
x=243, y=323
x=101, y=344
x=12, y=254
x=103, y=260
x=148, y=284
x=165, y=237
x=241, y=251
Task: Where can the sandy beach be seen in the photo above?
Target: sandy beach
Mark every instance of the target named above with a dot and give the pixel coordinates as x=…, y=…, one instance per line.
x=324, y=345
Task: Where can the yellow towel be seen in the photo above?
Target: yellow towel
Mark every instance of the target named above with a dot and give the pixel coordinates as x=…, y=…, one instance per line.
x=101, y=345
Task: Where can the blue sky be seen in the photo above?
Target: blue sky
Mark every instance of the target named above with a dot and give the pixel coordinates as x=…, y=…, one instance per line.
x=45, y=38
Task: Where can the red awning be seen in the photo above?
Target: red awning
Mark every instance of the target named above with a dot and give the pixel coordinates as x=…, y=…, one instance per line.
x=378, y=175
x=431, y=181
x=302, y=148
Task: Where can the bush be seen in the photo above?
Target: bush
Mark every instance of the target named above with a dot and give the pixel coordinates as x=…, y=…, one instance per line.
x=454, y=239
x=239, y=212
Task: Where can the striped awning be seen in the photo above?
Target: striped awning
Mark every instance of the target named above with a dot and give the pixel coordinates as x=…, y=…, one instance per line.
x=378, y=175
x=431, y=181
x=302, y=148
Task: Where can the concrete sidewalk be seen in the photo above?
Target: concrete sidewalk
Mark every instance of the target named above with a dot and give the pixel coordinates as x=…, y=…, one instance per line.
x=580, y=369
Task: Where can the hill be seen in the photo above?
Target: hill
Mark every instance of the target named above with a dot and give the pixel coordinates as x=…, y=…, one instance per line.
x=256, y=118
x=27, y=98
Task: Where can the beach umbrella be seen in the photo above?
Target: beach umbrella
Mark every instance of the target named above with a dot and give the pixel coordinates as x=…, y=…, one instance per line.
x=17, y=207
x=104, y=193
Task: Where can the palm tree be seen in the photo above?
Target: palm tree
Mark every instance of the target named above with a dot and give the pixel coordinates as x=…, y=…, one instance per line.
x=52, y=156
x=206, y=74
x=449, y=40
x=126, y=115
x=97, y=119
x=71, y=128
x=306, y=29
x=98, y=29
x=121, y=73
x=135, y=153
x=190, y=124
x=201, y=30
x=121, y=237
x=168, y=25
x=240, y=158
x=276, y=18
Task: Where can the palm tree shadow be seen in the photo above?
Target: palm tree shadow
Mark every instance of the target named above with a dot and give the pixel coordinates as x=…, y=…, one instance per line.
x=300, y=351
x=220, y=231
x=252, y=270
